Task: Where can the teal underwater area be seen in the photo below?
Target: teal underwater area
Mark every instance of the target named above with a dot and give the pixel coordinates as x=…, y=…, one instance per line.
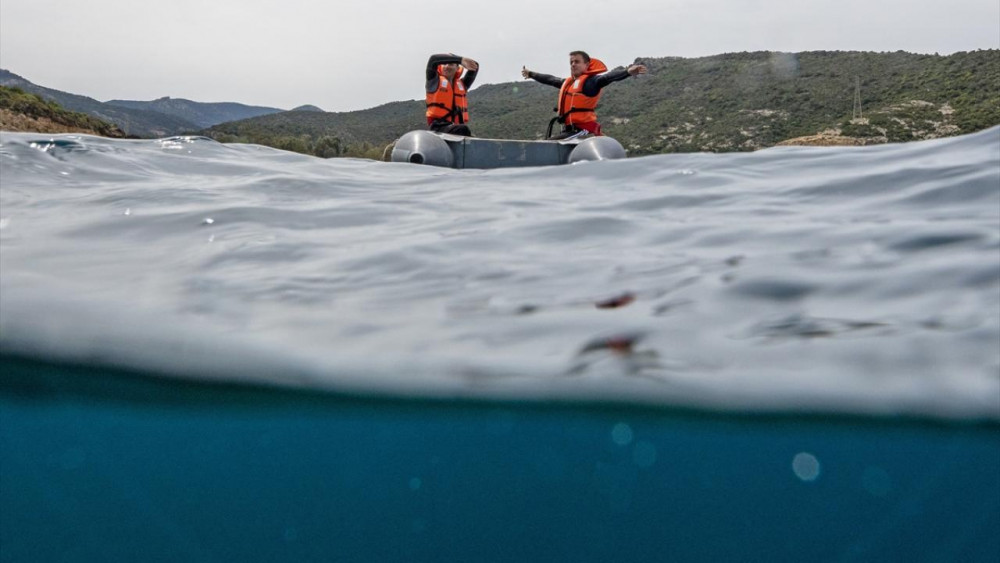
x=108, y=465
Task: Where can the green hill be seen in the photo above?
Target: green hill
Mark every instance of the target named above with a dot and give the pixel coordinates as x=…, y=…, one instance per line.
x=729, y=102
x=22, y=111
x=355, y=133
x=135, y=123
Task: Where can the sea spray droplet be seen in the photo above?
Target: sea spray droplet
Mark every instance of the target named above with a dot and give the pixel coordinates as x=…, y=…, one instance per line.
x=208, y=221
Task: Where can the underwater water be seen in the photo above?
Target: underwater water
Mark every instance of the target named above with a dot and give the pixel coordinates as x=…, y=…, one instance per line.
x=222, y=352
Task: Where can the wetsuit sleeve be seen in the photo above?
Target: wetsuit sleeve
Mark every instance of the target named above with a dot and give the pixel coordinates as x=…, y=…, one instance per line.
x=594, y=84
x=546, y=79
x=432, y=65
x=469, y=77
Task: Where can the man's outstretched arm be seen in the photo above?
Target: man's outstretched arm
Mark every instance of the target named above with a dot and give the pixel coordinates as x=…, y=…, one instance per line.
x=543, y=78
x=594, y=84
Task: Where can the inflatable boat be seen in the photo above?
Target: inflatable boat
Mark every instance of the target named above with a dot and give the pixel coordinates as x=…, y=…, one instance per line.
x=455, y=151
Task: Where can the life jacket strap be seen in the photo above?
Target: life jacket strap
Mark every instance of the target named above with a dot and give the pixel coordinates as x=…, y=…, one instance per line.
x=561, y=118
x=548, y=132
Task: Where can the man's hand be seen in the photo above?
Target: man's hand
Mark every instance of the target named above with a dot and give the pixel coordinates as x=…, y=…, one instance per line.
x=636, y=69
x=525, y=73
x=470, y=64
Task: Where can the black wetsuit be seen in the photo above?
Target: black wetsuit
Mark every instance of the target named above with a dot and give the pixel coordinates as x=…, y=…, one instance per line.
x=443, y=125
x=591, y=87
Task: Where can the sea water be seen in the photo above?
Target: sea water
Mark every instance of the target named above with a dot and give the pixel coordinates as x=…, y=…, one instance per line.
x=225, y=352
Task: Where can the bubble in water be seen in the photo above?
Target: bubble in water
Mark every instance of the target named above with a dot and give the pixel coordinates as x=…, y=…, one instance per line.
x=621, y=434
x=806, y=466
x=415, y=483
x=208, y=221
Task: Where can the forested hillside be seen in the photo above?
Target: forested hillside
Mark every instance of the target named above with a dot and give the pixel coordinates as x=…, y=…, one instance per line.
x=23, y=111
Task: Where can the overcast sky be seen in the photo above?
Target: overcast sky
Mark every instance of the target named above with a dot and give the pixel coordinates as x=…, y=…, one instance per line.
x=354, y=55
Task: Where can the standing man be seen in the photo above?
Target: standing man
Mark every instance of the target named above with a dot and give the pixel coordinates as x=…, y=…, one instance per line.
x=579, y=94
x=447, y=106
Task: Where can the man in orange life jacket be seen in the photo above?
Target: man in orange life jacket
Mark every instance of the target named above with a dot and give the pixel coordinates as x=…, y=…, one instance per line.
x=579, y=94
x=447, y=106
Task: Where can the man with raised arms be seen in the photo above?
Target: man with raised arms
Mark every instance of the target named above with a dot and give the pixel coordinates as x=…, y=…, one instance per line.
x=579, y=94
x=448, y=80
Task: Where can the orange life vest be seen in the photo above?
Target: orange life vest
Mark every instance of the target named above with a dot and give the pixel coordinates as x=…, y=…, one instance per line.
x=574, y=107
x=448, y=102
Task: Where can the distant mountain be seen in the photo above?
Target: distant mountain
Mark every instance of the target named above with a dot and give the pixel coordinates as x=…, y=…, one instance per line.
x=728, y=102
x=306, y=108
x=157, y=118
x=200, y=113
x=133, y=122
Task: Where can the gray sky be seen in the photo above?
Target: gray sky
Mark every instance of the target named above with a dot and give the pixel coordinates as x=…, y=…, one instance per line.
x=354, y=55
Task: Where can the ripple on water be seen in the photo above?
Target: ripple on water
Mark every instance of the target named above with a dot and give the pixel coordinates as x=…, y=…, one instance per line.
x=774, y=289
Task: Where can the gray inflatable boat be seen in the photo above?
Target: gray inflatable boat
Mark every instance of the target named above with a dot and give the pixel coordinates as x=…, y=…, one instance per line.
x=454, y=151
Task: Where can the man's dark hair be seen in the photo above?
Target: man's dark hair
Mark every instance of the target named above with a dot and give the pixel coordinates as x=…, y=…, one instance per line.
x=586, y=57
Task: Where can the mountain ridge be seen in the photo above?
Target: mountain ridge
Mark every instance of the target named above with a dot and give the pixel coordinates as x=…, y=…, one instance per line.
x=201, y=114
x=162, y=117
